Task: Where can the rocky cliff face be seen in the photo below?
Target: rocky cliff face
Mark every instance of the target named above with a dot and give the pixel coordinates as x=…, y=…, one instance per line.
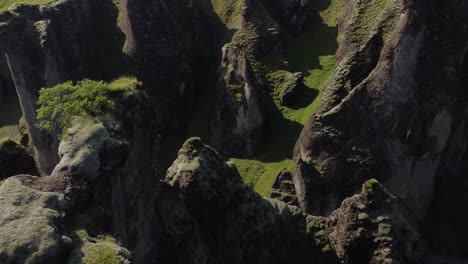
x=47, y=45
x=391, y=110
x=404, y=147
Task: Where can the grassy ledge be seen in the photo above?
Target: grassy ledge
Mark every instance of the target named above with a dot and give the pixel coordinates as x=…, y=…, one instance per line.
x=313, y=54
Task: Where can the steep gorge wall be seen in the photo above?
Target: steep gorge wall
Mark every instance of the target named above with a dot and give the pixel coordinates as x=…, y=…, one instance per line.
x=393, y=109
x=173, y=45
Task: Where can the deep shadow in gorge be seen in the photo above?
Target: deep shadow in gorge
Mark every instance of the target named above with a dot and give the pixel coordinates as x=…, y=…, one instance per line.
x=10, y=109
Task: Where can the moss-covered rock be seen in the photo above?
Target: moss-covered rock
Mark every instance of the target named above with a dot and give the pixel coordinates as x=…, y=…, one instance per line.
x=28, y=224
x=101, y=250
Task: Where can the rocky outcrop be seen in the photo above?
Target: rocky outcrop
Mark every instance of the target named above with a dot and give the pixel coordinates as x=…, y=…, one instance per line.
x=371, y=228
x=283, y=188
x=14, y=160
x=209, y=215
x=291, y=88
x=47, y=45
x=109, y=163
x=239, y=121
x=382, y=114
x=28, y=227
x=238, y=125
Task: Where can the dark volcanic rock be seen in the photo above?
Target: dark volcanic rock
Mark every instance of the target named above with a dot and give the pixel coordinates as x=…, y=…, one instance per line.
x=394, y=108
x=172, y=44
x=15, y=160
x=209, y=216
x=370, y=228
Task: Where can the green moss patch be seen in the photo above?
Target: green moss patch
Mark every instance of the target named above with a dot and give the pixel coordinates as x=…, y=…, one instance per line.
x=10, y=132
x=228, y=12
x=371, y=184
x=57, y=105
x=101, y=250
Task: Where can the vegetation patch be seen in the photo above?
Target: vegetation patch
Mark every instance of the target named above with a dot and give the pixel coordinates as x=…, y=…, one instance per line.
x=57, y=105
x=5, y=4
x=101, y=250
x=311, y=53
x=332, y=13
x=370, y=185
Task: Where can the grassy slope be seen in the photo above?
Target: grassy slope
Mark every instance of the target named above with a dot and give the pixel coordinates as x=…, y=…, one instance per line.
x=5, y=4
x=313, y=54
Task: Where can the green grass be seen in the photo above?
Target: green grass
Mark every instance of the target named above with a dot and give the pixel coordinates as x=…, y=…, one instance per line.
x=332, y=13
x=311, y=53
x=5, y=4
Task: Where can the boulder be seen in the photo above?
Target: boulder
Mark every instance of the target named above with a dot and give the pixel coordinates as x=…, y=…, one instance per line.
x=80, y=148
x=29, y=230
x=291, y=88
